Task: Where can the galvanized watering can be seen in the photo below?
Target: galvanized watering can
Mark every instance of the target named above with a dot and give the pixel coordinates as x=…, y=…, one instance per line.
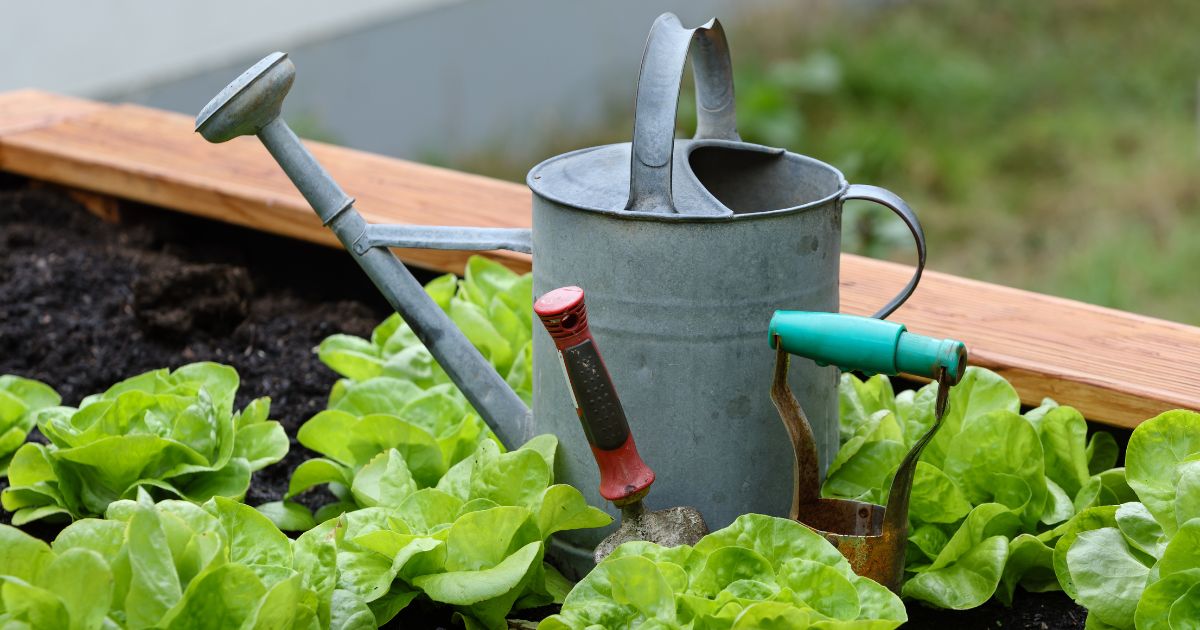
x=685, y=248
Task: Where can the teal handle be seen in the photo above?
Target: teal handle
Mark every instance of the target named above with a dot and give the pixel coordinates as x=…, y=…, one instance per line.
x=865, y=344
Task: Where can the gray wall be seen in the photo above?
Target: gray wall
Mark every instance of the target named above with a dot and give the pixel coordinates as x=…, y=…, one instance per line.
x=458, y=77
x=96, y=48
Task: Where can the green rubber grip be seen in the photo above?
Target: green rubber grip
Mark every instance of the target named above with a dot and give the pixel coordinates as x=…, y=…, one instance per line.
x=864, y=344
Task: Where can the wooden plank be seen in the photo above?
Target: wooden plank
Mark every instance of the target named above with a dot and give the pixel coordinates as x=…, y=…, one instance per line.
x=22, y=110
x=1116, y=367
x=153, y=156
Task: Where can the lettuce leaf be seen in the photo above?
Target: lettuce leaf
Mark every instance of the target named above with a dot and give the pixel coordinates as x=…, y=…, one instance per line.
x=20, y=400
x=474, y=542
x=492, y=306
x=395, y=398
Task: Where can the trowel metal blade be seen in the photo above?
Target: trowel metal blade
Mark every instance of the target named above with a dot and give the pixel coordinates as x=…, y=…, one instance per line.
x=671, y=527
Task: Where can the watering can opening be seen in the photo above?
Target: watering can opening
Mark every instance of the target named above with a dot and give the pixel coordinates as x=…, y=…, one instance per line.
x=754, y=181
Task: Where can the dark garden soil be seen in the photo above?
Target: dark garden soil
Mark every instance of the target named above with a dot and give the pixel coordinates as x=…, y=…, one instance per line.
x=1039, y=611
x=85, y=303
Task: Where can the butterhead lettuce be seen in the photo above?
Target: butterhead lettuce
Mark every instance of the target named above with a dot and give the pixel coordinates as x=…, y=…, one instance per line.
x=475, y=541
x=493, y=307
x=171, y=433
x=396, y=407
x=372, y=429
x=759, y=572
x=1137, y=564
x=992, y=490
x=173, y=564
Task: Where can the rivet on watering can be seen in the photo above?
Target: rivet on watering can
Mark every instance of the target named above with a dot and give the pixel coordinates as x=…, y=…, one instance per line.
x=873, y=538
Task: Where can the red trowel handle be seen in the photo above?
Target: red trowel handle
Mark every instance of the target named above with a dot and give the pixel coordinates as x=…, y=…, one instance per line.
x=624, y=477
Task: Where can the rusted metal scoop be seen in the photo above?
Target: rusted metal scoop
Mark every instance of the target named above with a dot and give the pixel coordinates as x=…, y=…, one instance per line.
x=624, y=478
x=873, y=538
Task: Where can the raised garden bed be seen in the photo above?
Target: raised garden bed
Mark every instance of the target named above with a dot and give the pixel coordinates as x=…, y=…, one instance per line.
x=1046, y=346
x=87, y=303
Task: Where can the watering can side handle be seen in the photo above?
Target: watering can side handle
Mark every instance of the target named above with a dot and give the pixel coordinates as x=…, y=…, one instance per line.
x=657, y=100
x=891, y=201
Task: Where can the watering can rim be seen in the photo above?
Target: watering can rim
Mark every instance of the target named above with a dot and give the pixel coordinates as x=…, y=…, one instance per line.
x=539, y=187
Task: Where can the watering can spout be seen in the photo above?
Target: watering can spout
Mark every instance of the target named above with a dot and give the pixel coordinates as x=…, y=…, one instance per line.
x=250, y=106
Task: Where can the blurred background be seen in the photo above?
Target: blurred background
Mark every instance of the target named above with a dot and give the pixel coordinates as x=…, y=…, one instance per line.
x=1052, y=146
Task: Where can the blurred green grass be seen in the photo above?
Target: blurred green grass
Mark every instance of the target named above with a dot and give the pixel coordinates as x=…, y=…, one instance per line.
x=1046, y=145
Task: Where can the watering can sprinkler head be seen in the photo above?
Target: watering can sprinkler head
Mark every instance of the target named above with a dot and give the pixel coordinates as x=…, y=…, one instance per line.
x=873, y=538
x=250, y=102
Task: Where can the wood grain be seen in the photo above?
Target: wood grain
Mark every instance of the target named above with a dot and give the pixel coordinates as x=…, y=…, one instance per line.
x=21, y=110
x=1116, y=367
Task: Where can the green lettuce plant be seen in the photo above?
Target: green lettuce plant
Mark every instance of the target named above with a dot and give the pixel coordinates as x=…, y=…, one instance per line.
x=491, y=305
x=990, y=489
x=395, y=396
x=475, y=541
x=173, y=564
x=425, y=431
x=174, y=434
x=761, y=572
x=20, y=400
x=1137, y=564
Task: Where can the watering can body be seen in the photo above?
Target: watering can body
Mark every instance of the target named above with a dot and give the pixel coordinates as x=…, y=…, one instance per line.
x=681, y=307
x=686, y=248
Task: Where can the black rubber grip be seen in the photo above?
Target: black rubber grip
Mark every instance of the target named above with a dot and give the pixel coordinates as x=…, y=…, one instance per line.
x=599, y=408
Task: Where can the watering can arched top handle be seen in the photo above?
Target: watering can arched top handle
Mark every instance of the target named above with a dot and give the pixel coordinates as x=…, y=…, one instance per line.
x=658, y=98
x=891, y=201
